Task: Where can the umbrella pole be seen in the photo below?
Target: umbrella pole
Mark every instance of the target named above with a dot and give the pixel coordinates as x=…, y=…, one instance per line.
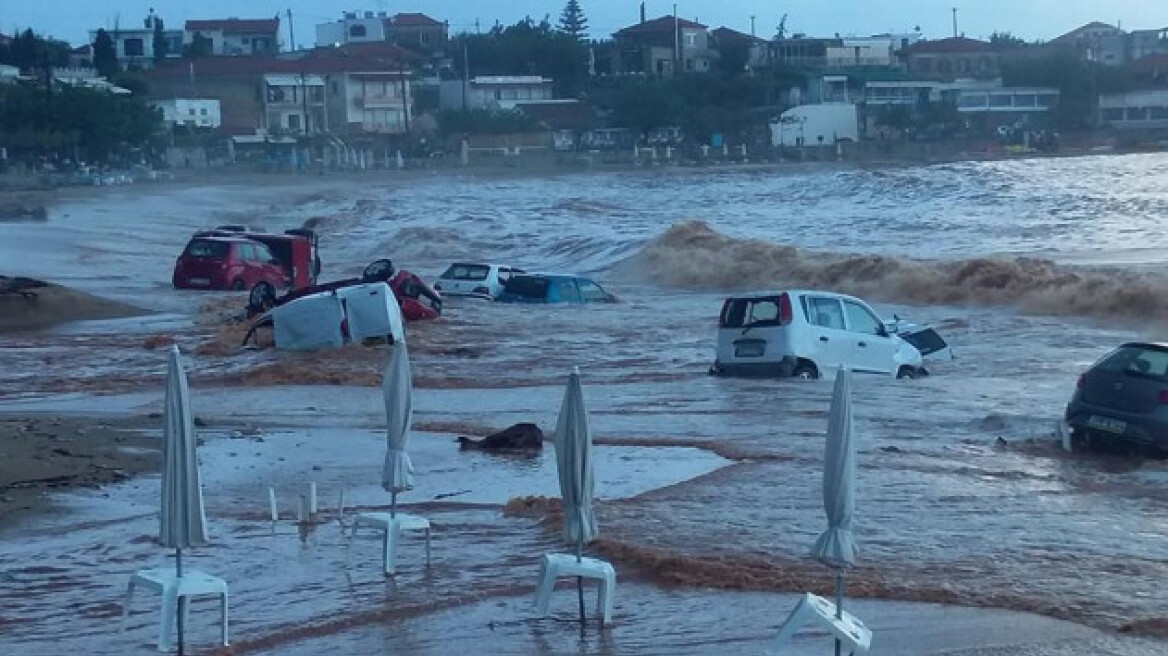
x=580, y=580
x=393, y=504
x=839, y=602
x=181, y=600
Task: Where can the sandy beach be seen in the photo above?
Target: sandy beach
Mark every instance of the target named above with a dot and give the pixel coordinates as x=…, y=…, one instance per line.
x=979, y=535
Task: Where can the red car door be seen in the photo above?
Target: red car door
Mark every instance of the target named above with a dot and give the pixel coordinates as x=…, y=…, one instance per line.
x=268, y=267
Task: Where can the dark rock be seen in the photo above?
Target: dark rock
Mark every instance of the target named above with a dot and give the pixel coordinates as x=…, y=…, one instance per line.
x=520, y=437
x=890, y=449
x=200, y=422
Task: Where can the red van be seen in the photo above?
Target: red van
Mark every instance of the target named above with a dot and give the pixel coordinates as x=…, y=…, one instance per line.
x=215, y=262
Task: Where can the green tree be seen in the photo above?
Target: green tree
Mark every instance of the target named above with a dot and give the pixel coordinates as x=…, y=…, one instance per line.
x=527, y=48
x=105, y=57
x=200, y=46
x=647, y=104
x=1006, y=41
x=573, y=22
x=734, y=54
x=159, y=41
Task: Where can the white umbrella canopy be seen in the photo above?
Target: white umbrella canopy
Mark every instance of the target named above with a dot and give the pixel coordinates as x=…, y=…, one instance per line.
x=574, y=465
x=184, y=520
x=398, y=472
x=836, y=547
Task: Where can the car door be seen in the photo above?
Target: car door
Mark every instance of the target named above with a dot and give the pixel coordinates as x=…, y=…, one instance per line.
x=269, y=269
x=592, y=292
x=567, y=291
x=873, y=350
x=830, y=342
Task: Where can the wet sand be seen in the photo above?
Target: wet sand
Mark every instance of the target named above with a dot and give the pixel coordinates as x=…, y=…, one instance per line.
x=42, y=454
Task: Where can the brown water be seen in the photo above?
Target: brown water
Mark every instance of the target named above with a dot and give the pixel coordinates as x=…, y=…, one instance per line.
x=1030, y=283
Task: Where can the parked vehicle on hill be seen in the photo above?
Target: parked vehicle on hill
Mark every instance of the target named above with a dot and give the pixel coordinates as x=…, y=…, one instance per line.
x=807, y=334
x=1123, y=398
x=476, y=280
x=552, y=288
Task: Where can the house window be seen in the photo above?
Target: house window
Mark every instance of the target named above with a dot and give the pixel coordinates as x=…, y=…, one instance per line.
x=691, y=40
x=424, y=38
x=275, y=94
x=1159, y=113
x=203, y=111
x=293, y=121
x=336, y=87
x=316, y=94
x=134, y=47
x=191, y=111
x=357, y=31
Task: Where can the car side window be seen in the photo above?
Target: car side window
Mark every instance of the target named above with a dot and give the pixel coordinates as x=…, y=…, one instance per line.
x=245, y=252
x=861, y=320
x=826, y=312
x=262, y=253
x=592, y=292
x=568, y=291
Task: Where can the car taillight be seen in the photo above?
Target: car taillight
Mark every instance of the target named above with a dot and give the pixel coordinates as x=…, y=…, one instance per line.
x=785, y=312
x=1163, y=398
x=480, y=290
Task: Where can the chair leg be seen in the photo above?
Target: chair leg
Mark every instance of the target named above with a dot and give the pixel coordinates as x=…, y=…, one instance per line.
x=428, y=546
x=223, y=618
x=793, y=623
x=166, y=623
x=126, y=605
x=607, y=597
x=389, y=548
x=547, y=583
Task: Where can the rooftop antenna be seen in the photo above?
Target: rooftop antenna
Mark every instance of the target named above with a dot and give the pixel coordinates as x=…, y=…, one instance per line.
x=955, y=22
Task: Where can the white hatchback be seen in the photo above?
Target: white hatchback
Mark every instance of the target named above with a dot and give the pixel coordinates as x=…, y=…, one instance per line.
x=478, y=280
x=807, y=334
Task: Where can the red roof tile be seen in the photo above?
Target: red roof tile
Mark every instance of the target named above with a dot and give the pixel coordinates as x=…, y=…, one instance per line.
x=345, y=59
x=1155, y=64
x=663, y=24
x=950, y=46
x=235, y=25
x=414, y=20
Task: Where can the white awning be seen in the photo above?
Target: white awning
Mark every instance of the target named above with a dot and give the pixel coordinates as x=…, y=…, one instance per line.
x=294, y=80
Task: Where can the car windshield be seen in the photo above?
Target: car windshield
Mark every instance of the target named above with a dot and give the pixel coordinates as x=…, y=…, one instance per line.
x=467, y=272
x=1135, y=360
x=207, y=248
x=528, y=286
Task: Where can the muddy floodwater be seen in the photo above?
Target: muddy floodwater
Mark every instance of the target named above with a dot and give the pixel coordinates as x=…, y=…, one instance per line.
x=978, y=534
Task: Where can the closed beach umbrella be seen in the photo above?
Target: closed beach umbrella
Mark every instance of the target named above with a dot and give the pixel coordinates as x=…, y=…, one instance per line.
x=574, y=465
x=398, y=473
x=183, y=521
x=836, y=547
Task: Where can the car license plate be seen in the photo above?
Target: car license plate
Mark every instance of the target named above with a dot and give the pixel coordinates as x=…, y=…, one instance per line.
x=750, y=349
x=1107, y=424
x=202, y=282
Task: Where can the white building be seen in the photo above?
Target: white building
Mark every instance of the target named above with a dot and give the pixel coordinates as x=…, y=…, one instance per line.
x=1135, y=110
x=235, y=36
x=1007, y=100
x=878, y=50
x=495, y=92
x=191, y=112
x=135, y=46
x=821, y=124
x=294, y=103
x=375, y=102
x=352, y=28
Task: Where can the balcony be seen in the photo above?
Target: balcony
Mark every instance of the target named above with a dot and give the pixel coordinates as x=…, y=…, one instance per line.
x=378, y=102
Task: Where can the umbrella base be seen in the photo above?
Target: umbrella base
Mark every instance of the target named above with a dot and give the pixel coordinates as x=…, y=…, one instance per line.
x=172, y=588
x=555, y=566
x=811, y=609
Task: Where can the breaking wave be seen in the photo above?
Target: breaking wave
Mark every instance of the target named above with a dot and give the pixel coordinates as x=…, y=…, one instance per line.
x=692, y=255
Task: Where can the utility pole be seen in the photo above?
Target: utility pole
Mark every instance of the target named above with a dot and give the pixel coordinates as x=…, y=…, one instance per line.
x=676, y=42
x=752, y=26
x=465, y=73
x=304, y=101
x=955, y=22
x=291, y=32
x=477, y=27
x=405, y=93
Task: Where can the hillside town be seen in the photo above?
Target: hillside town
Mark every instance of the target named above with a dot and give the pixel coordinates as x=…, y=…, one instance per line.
x=382, y=90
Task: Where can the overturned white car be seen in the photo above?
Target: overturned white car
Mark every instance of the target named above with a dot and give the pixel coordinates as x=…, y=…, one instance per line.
x=334, y=318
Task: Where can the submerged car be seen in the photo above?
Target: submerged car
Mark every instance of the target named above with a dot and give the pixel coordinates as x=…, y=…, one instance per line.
x=238, y=258
x=807, y=334
x=552, y=288
x=213, y=262
x=1123, y=398
x=477, y=280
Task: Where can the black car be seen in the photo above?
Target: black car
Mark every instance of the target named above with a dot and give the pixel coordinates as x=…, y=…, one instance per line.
x=1123, y=398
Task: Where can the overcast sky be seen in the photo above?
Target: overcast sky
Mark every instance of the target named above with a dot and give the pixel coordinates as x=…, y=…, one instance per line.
x=1030, y=19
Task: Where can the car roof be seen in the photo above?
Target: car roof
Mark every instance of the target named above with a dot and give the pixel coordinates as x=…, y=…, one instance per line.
x=796, y=292
x=486, y=264
x=1155, y=346
x=220, y=238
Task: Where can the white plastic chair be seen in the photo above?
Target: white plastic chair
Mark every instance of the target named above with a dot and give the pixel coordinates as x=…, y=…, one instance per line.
x=555, y=566
x=391, y=527
x=172, y=588
x=811, y=609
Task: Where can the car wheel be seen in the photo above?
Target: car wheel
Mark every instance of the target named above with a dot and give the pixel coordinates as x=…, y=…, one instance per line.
x=238, y=285
x=907, y=373
x=805, y=371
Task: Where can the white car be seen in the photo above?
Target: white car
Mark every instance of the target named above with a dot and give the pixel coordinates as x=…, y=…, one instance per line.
x=807, y=334
x=477, y=280
x=334, y=318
